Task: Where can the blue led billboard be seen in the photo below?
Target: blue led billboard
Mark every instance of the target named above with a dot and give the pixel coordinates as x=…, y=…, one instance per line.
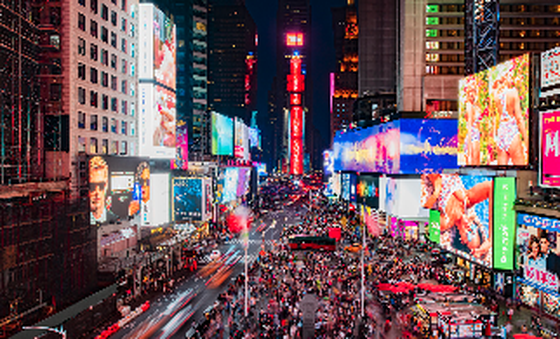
x=222, y=135
x=187, y=199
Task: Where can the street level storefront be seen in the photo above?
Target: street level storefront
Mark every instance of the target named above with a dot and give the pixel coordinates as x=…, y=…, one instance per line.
x=538, y=264
x=473, y=273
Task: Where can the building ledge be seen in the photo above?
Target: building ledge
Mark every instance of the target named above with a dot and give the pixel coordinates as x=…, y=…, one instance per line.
x=27, y=189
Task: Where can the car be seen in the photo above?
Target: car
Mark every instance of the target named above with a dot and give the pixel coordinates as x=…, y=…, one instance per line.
x=354, y=248
x=215, y=254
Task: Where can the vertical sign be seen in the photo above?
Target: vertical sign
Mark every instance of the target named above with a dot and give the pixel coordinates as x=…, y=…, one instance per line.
x=433, y=227
x=295, y=87
x=504, y=222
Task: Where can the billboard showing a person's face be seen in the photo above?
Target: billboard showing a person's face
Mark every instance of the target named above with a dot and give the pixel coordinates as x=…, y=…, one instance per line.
x=494, y=115
x=464, y=206
x=119, y=190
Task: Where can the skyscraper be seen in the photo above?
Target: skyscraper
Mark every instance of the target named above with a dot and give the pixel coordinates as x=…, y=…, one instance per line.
x=232, y=59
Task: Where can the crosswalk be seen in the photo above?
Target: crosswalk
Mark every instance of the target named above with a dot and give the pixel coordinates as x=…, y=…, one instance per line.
x=267, y=242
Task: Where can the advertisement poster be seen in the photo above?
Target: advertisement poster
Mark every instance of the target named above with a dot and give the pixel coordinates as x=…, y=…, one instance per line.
x=187, y=199
x=499, y=283
x=349, y=187
x=374, y=149
x=550, y=149
x=227, y=188
x=391, y=195
x=368, y=190
x=164, y=120
x=222, y=135
x=528, y=295
x=119, y=189
x=427, y=145
x=433, y=227
x=539, y=247
x=238, y=149
x=504, y=222
x=494, y=115
x=464, y=203
x=550, y=68
x=164, y=50
x=328, y=163
x=160, y=205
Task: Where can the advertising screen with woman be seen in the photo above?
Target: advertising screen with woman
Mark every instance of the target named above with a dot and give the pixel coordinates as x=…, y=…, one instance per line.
x=464, y=204
x=494, y=115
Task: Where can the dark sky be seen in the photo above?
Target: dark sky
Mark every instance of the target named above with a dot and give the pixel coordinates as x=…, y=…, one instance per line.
x=323, y=59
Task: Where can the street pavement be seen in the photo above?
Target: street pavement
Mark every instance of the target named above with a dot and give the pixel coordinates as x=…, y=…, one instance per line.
x=173, y=314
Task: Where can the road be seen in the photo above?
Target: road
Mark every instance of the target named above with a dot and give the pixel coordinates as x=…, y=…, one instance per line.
x=172, y=315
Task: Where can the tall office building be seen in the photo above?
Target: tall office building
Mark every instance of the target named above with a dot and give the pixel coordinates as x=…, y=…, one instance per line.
x=232, y=59
x=293, y=29
x=344, y=81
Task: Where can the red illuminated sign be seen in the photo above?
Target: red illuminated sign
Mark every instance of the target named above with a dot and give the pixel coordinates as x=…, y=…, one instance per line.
x=296, y=158
x=295, y=65
x=294, y=39
x=296, y=125
x=296, y=83
x=295, y=99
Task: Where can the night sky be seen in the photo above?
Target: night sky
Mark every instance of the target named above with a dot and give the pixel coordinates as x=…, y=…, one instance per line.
x=323, y=57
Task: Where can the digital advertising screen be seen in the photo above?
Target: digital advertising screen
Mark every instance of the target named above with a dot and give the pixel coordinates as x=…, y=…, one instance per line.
x=222, y=135
x=433, y=227
x=538, y=252
x=160, y=205
x=244, y=181
x=349, y=187
x=550, y=66
x=187, y=199
x=550, y=149
x=254, y=137
x=261, y=169
x=239, y=135
x=389, y=195
x=208, y=199
x=164, y=50
x=227, y=189
x=407, y=204
x=157, y=122
x=119, y=189
x=427, y=145
x=494, y=115
x=504, y=222
x=367, y=190
x=328, y=162
x=373, y=149
x=464, y=205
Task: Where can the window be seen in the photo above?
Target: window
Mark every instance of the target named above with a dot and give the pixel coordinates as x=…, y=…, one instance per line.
x=113, y=61
x=105, y=124
x=81, y=46
x=81, y=71
x=104, y=34
x=104, y=79
x=114, y=147
x=93, y=145
x=104, y=146
x=93, y=75
x=132, y=69
x=123, y=24
x=104, y=57
x=82, y=2
x=124, y=65
x=81, y=120
x=81, y=95
x=124, y=107
x=114, y=18
x=132, y=93
x=93, y=4
x=93, y=52
x=123, y=147
x=124, y=85
x=115, y=105
x=124, y=127
x=123, y=45
x=132, y=109
x=123, y=5
x=132, y=50
x=132, y=29
x=113, y=39
x=132, y=128
x=93, y=98
x=81, y=144
x=104, y=12
x=93, y=122
x=113, y=125
x=93, y=28
x=114, y=81
x=82, y=22
x=105, y=102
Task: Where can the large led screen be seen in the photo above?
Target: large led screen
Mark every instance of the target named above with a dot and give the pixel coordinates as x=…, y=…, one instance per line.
x=244, y=181
x=187, y=199
x=427, y=145
x=494, y=115
x=157, y=122
x=227, y=187
x=160, y=206
x=368, y=190
x=328, y=162
x=550, y=149
x=464, y=205
x=504, y=222
x=407, y=203
x=119, y=189
x=349, y=186
x=164, y=50
x=374, y=149
x=222, y=135
x=538, y=241
x=550, y=66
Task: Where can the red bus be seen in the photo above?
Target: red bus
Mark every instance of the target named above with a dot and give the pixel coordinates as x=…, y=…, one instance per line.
x=304, y=242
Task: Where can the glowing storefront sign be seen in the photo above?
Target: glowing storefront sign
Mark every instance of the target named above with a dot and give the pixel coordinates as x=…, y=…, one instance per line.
x=294, y=39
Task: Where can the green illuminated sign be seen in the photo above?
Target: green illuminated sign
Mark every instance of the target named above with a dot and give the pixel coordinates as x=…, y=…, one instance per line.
x=433, y=227
x=504, y=223
x=432, y=20
x=432, y=8
x=431, y=33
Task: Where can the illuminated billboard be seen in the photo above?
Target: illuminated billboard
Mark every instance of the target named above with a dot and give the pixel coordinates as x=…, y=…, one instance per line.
x=550, y=68
x=538, y=241
x=296, y=140
x=222, y=135
x=160, y=206
x=157, y=122
x=504, y=222
x=373, y=149
x=494, y=115
x=328, y=163
x=349, y=187
x=427, y=145
x=367, y=190
x=119, y=190
x=187, y=199
x=239, y=135
x=227, y=187
x=294, y=39
x=254, y=137
x=550, y=149
x=464, y=206
x=244, y=181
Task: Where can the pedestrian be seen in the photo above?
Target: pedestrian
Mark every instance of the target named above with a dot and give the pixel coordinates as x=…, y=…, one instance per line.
x=510, y=313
